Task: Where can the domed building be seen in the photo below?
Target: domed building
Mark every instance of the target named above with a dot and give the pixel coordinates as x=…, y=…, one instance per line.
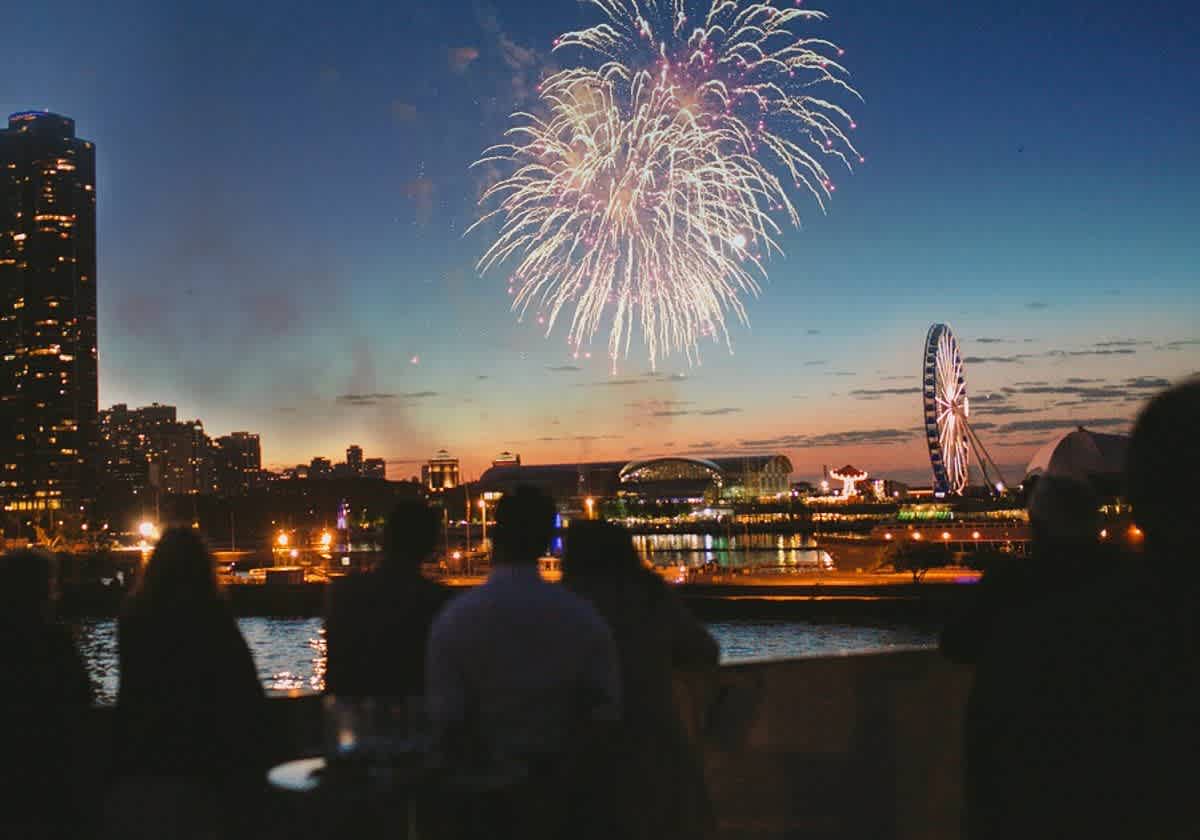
x=1083, y=454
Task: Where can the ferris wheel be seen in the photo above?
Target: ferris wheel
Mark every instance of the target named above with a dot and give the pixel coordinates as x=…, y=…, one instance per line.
x=947, y=417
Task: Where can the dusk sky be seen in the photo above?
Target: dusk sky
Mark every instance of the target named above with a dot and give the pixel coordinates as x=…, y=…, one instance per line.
x=284, y=190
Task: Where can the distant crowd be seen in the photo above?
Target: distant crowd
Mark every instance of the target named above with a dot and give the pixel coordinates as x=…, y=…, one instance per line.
x=1082, y=720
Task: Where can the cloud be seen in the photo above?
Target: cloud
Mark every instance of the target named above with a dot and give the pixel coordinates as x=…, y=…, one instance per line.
x=460, y=58
x=993, y=340
x=1016, y=359
x=1037, y=304
x=812, y=332
x=1121, y=351
x=328, y=76
x=648, y=378
x=420, y=192
x=1122, y=342
x=1001, y=410
x=1179, y=345
x=419, y=395
x=839, y=373
x=1088, y=392
x=564, y=368
x=864, y=437
x=816, y=362
x=1071, y=380
x=703, y=412
x=876, y=393
x=480, y=377
x=403, y=112
x=1061, y=423
x=1147, y=383
x=578, y=438
x=364, y=399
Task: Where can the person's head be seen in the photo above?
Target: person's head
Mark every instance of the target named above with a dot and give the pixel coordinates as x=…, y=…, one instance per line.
x=26, y=584
x=409, y=536
x=599, y=549
x=180, y=573
x=1160, y=466
x=1064, y=512
x=524, y=525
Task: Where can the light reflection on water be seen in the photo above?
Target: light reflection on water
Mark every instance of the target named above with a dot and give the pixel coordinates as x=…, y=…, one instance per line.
x=290, y=652
x=795, y=551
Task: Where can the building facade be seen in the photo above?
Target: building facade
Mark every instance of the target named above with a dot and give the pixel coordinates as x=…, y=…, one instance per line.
x=440, y=473
x=48, y=385
x=238, y=463
x=149, y=449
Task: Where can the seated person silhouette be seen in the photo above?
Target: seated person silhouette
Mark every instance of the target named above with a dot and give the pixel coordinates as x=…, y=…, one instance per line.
x=377, y=623
x=45, y=696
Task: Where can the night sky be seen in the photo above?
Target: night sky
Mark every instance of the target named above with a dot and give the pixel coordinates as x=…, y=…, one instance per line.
x=283, y=193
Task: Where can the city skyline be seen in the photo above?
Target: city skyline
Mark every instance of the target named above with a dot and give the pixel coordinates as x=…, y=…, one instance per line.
x=285, y=254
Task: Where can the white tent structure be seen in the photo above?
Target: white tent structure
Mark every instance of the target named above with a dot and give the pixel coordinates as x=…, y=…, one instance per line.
x=1081, y=454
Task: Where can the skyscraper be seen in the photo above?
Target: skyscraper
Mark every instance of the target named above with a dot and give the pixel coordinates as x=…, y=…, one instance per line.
x=48, y=389
x=239, y=463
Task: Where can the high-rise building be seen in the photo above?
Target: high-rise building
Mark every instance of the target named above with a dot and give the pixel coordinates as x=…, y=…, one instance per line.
x=354, y=459
x=375, y=468
x=48, y=388
x=239, y=463
x=149, y=449
x=124, y=459
x=320, y=468
x=440, y=473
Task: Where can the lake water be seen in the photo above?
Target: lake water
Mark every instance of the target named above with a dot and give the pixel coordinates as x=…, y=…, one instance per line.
x=733, y=550
x=290, y=653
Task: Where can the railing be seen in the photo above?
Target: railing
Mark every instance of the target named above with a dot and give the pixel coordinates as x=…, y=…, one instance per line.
x=855, y=746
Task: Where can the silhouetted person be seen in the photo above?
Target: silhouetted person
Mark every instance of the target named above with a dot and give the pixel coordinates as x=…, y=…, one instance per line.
x=1064, y=517
x=377, y=623
x=520, y=669
x=661, y=776
x=45, y=695
x=190, y=724
x=1090, y=701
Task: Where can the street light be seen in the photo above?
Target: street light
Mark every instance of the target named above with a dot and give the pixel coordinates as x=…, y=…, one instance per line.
x=148, y=530
x=591, y=507
x=282, y=539
x=326, y=539
x=483, y=517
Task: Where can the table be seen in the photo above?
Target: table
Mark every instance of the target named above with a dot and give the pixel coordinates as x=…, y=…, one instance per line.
x=328, y=800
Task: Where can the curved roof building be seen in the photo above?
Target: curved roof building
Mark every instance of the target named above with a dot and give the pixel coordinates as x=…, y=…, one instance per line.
x=670, y=477
x=1081, y=454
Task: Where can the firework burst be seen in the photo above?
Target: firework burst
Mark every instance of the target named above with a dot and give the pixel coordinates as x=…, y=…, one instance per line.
x=643, y=194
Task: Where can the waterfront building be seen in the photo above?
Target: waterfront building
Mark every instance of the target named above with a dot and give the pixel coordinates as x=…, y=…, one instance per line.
x=440, y=473
x=674, y=478
x=48, y=386
x=375, y=468
x=320, y=468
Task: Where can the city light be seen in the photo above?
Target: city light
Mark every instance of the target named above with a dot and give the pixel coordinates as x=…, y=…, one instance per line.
x=591, y=507
x=282, y=540
x=945, y=535
x=916, y=535
x=888, y=535
x=326, y=539
x=1103, y=533
x=974, y=535
x=148, y=530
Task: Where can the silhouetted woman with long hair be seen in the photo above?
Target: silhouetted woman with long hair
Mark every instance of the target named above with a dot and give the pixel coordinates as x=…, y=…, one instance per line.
x=190, y=708
x=661, y=776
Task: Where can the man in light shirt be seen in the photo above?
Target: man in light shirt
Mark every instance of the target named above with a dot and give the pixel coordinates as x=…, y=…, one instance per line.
x=518, y=667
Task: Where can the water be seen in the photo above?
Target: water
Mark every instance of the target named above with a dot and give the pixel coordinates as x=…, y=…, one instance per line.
x=793, y=551
x=290, y=652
